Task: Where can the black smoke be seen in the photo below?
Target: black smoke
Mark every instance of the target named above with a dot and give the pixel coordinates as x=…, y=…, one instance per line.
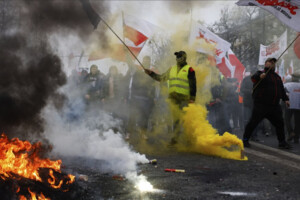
x=30, y=72
x=26, y=84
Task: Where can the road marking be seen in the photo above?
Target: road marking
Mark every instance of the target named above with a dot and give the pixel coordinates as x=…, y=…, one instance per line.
x=238, y=193
x=273, y=158
x=291, y=155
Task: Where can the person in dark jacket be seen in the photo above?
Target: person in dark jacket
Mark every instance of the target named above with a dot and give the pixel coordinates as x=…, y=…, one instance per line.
x=141, y=95
x=216, y=108
x=232, y=102
x=267, y=91
x=94, y=82
x=246, y=93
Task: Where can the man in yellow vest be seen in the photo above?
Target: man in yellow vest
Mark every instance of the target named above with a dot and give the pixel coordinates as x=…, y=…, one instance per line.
x=182, y=85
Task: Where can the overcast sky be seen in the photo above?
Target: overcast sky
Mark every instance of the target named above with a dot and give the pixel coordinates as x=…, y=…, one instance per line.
x=169, y=12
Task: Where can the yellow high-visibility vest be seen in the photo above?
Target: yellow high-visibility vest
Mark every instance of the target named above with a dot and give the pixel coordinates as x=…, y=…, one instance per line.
x=179, y=82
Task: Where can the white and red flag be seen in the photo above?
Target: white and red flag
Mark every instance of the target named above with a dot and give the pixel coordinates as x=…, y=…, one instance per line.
x=205, y=41
x=238, y=66
x=287, y=11
x=273, y=50
x=231, y=67
x=136, y=32
x=226, y=68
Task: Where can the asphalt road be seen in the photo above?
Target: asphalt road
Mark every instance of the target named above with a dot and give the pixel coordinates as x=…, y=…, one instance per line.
x=266, y=175
x=269, y=141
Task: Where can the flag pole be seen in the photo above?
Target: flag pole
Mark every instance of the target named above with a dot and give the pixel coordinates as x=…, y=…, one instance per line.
x=289, y=46
x=276, y=61
x=122, y=42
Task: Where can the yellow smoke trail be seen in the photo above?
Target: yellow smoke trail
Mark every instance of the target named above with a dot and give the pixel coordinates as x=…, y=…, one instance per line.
x=201, y=137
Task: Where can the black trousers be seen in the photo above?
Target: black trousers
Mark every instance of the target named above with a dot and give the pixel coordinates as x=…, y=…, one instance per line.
x=271, y=112
x=297, y=124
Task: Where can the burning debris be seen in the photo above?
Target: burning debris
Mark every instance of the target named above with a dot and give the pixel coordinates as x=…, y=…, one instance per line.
x=21, y=164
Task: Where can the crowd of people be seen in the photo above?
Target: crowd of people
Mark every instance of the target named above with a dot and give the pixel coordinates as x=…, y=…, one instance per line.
x=256, y=110
x=130, y=97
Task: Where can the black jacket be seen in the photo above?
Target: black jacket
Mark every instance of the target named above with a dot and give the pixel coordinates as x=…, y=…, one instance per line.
x=246, y=91
x=270, y=90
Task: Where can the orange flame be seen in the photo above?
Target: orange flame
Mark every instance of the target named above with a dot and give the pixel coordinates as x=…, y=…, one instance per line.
x=21, y=158
x=34, y=196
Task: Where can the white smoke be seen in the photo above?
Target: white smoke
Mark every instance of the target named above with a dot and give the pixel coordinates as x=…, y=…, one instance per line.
x=91, y=137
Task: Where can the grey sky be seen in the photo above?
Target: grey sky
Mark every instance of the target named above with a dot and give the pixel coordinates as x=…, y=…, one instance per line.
x=171, y=12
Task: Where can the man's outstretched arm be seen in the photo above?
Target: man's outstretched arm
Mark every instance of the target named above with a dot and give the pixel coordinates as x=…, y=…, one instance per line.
x=158, y=77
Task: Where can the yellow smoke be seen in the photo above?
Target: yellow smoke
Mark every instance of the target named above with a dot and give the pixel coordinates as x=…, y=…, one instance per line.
x=199, y=136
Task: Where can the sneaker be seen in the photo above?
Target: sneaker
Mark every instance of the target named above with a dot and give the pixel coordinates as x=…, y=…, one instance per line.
x=246, y=144
x=284, y=145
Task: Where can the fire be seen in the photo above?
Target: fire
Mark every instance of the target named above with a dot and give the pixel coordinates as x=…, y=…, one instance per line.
x=19, y=159
x=34, y=196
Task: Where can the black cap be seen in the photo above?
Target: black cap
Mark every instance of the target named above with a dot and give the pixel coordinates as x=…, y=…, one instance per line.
x=274, y=60
x=179, y=54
